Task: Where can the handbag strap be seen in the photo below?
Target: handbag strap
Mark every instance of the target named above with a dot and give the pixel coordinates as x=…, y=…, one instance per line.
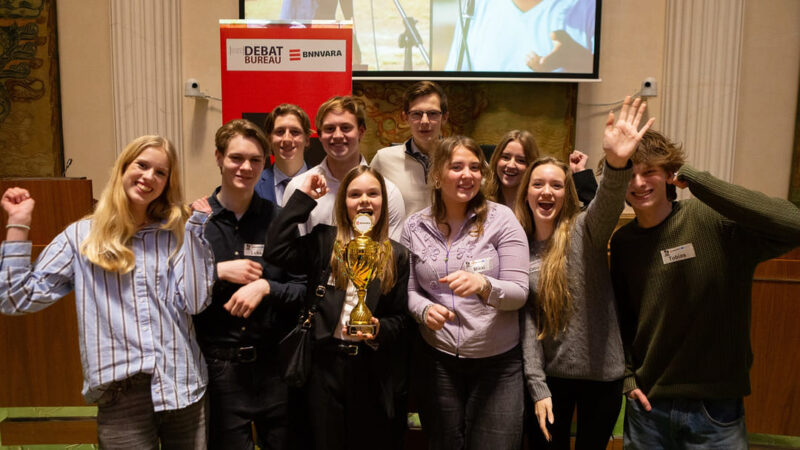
x=322, y=287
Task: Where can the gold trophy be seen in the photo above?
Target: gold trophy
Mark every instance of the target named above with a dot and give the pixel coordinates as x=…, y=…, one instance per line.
x=362, y=260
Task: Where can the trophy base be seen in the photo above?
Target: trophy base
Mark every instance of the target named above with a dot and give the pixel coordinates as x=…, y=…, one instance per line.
x=363, y=328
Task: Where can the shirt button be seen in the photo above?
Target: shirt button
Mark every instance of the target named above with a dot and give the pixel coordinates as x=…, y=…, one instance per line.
x=236, y=253
x=236, y=228
x=244, y=328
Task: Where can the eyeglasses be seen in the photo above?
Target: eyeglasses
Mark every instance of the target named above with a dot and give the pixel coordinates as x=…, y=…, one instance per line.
x=433, y=116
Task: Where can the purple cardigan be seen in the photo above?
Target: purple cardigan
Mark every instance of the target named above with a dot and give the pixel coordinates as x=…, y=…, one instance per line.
x=480, y=329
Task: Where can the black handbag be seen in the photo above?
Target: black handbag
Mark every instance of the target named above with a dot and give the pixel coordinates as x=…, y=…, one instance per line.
x=294, y=350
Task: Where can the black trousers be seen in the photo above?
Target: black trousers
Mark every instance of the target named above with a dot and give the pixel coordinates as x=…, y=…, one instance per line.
x=344, y=402
x=243, y=394
x=598, y=404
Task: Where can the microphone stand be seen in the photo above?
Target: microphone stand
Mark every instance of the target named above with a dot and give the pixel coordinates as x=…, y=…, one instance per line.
x=464, y=33
x=410, y=38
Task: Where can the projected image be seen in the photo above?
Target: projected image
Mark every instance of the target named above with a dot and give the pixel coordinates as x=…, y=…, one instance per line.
x=524, y=35
x=456, y=37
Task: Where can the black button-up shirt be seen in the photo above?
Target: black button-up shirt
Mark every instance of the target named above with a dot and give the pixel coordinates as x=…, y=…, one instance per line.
x=231, y=239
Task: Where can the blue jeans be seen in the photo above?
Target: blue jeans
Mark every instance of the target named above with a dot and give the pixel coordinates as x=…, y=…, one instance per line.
x=473, y=403
x=685, y=424
x=126, y=420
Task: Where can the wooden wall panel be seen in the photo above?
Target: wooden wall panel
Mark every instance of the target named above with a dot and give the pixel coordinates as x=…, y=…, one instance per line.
x=39, y=354
x=64, y=432
x=773, y=407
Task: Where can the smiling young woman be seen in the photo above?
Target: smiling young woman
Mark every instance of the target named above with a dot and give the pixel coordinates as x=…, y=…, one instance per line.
x=516, y=150
x=467, y=281
x=356, y=388
x=571, y=338
x=139, y=271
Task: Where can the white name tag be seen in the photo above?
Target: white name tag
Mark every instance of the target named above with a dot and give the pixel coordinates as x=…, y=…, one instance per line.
x=671, y=255
x=253, y=249
x=479, y=265
x=535, y=265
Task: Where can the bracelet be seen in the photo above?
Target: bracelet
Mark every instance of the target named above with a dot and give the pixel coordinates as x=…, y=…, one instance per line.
x=18, y=225
x=486, y=290
x=425, y=312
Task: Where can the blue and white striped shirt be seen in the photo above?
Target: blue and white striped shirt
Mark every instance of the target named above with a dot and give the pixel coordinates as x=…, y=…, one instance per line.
x=138, y=322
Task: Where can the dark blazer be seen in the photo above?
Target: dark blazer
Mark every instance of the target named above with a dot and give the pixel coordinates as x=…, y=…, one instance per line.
x=310, y=254
x=265, y=187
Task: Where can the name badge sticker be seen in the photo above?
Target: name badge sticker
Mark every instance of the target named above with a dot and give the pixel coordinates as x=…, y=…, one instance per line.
x=253, y=249
x=680, y=253
x=479, y=265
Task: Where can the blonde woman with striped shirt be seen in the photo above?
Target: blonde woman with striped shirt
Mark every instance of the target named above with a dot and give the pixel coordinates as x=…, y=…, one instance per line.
x=139, y=271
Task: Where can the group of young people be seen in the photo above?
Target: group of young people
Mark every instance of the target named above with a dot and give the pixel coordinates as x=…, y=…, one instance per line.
x=495, y=306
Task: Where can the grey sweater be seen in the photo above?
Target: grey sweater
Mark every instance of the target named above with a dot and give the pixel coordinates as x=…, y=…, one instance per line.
x=591, y=347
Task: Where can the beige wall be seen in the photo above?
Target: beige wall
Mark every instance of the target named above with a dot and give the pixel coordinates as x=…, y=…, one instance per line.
x=631, y=50
x=84, y=46
x=201, y=118
x=632, y=47
x=768, y=96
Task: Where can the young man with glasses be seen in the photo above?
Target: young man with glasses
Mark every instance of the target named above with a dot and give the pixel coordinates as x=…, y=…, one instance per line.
x=406, y=165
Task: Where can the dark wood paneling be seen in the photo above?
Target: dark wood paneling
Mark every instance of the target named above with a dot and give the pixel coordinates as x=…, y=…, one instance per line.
x=774, y=405
x=39, y=354
x=49, y=432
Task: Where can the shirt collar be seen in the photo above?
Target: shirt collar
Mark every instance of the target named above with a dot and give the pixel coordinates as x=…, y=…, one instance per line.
x=217, y=208
x=413, y=151
x=323, y=165
x=279, y=176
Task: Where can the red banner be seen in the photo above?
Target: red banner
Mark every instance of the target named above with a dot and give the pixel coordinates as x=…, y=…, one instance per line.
x=265, y=64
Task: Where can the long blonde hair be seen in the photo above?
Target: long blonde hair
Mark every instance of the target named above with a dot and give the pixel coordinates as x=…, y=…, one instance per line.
x=380, y=231
x=441, y=158
x=554, y=301
x=493, y=186
x=113, y=225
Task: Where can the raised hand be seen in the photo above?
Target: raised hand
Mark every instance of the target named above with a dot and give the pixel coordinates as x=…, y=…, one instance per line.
x=315, y=186
x=577, y=161
x=247, y=298
x=621, y=137
x=437, y=315
x=239, y=271
x=18, y=204
x=680, y=184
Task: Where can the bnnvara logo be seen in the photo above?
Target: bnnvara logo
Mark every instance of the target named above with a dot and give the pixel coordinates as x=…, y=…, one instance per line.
x=322, y=54
x=301, y=55
x=295, y=54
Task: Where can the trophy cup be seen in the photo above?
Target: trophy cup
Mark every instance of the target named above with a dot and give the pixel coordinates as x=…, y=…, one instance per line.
x=361, y=257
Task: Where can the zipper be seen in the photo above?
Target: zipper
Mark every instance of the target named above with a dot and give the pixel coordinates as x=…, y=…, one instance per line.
x=447, y=247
